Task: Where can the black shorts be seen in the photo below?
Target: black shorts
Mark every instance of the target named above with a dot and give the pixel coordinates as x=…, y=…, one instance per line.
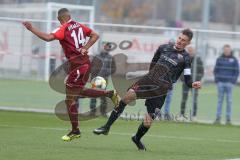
x=154, y=105
x=146, y=88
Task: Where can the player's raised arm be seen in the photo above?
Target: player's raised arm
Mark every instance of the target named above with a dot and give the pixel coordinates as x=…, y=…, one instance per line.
x=44, y=36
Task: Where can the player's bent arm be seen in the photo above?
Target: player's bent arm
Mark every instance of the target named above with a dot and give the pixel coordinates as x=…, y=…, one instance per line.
x=190, y=84
x=93, y=38
x=188, y=80
x=44, y=36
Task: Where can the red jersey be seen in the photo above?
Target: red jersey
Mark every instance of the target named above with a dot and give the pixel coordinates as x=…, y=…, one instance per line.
x=72, y=36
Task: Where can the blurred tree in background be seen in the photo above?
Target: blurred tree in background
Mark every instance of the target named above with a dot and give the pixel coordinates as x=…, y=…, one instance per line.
x=192, y=10
x=223, y=11
x=153, y=12
x=125, y=10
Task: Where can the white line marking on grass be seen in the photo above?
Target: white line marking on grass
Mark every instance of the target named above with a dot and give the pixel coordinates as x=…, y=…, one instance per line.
x=182, y=138
x=130, y=134
x=233, y=159
x=22, y=109
x=42, y=128
x=158, y=136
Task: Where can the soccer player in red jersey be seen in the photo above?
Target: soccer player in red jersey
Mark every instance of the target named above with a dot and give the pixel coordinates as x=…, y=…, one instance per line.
x=72, y=37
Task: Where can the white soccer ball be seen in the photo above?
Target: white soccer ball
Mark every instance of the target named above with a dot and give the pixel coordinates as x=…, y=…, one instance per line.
x=99, y=82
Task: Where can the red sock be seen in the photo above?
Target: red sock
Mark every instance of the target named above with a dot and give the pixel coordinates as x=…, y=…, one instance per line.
x=95, y=93
x=73, y=115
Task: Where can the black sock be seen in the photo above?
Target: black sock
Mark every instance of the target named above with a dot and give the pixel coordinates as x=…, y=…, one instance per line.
x=115, y=114
x=142, y=130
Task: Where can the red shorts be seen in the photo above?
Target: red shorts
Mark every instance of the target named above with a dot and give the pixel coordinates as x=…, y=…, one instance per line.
x=78, y=76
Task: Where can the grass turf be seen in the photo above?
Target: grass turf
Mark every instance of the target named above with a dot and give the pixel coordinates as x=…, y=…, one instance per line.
x=37, y=94
x=37, y=136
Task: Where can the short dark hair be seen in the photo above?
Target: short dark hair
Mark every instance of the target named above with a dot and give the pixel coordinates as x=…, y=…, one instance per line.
x=188, y=32
x=108, y=44
x=62, y=11
x=226, y=46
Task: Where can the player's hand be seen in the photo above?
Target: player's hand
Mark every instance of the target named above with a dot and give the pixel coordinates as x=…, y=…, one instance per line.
x=83, y=51
x=28, y=25
x=196, y=85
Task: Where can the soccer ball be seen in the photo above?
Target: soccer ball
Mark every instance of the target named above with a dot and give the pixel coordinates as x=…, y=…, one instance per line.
x=99, y=82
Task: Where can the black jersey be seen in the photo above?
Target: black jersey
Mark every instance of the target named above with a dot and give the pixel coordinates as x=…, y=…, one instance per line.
x=168, y=64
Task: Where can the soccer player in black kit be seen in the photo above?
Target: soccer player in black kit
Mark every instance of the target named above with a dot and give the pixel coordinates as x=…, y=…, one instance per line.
x=169, y=61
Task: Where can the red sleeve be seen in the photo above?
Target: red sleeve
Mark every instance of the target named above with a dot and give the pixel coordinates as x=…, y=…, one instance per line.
x=86, y=30
x=59, y=33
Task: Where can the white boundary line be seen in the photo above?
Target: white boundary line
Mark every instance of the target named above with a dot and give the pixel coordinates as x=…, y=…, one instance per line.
x=21, y=109
x=130, y=134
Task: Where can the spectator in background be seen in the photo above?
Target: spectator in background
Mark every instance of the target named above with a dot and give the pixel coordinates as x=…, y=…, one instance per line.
x=226, y=73
x=185, y=89
x=168, y=100
x=103, y=65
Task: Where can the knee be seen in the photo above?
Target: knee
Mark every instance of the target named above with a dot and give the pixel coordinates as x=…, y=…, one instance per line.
x=220, y=100
x=147, y=124
x=147, y=121
x=71, y=101
x=129, y=97
x=229, y=101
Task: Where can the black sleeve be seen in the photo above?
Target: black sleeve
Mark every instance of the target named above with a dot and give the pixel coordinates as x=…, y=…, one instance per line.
x=187, y=74
x=156, y=57
x=188, y=80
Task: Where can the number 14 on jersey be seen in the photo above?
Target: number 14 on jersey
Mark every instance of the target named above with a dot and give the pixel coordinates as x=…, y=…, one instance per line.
x=78, y=38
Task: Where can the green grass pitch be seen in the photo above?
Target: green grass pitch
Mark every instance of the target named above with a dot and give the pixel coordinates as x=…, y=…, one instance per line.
x=37, y=136
x=37, y=94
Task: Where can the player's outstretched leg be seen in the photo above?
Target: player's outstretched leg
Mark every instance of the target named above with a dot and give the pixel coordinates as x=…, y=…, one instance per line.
x=129, y=97
x=142, y=130
x=95, y=93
